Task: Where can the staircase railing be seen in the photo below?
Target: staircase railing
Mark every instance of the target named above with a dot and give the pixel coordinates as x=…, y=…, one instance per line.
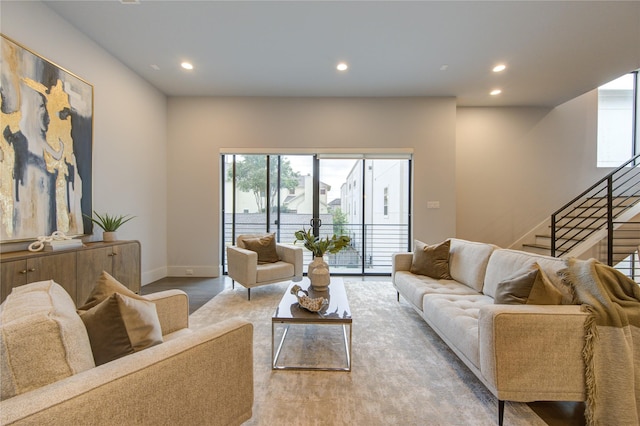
x=596, y=209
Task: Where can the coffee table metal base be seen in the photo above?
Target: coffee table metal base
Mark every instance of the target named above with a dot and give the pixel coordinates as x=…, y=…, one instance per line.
x=275, y=354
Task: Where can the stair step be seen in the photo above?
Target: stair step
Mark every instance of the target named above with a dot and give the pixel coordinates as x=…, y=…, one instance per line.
x=537, y=248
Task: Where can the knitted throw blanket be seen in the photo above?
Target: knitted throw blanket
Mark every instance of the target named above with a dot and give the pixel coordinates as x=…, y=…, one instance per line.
x=612, y=347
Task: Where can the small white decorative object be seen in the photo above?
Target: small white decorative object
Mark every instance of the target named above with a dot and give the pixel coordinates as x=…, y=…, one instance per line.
x=39, y=244
x=306, y=302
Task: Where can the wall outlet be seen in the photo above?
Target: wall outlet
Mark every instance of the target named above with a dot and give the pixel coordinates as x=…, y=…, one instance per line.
x=433, y=204
x=189, y=271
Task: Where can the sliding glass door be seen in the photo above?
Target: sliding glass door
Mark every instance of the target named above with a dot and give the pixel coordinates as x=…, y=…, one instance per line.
x=365, y=198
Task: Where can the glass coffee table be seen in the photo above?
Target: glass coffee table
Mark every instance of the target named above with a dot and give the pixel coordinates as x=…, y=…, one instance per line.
x=289, y=313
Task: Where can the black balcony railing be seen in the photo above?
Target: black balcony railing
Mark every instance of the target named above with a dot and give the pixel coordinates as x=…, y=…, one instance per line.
x=369, y=252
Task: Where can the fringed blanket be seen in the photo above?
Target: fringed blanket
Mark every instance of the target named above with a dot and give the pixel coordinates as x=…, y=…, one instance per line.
x=612, y=347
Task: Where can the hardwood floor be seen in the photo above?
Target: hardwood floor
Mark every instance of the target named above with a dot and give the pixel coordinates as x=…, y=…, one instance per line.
x=201, y=290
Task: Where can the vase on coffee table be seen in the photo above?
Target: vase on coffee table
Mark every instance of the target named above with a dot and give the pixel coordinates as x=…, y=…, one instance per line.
x=318, y=273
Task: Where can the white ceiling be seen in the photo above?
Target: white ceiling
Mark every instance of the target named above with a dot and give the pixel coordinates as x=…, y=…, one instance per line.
x=554, y=50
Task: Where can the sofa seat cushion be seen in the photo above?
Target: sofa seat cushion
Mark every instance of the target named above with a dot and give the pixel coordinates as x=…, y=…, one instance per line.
x=274, y=271
x=42, y=338
x=455, y=317
x=414, y=287
x=505, y=263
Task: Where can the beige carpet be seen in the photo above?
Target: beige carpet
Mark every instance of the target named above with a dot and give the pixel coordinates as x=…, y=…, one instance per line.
x=402, y=373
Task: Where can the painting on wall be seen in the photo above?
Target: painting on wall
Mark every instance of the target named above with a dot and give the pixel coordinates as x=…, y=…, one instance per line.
x=45, y=147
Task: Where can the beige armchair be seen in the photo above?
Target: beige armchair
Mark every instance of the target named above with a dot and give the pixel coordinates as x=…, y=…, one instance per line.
x=243, y=265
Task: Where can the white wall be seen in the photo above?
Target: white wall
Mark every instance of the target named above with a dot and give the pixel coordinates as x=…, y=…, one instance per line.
x=496, y=172
x=516, y=166
x=199, y=127
x=129, y=138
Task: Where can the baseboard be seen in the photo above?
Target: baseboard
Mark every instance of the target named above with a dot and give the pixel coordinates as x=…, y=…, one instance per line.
x=154, y=275
x=193, y=271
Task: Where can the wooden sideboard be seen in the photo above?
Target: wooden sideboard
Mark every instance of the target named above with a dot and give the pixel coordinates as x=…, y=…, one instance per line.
x=77, y=270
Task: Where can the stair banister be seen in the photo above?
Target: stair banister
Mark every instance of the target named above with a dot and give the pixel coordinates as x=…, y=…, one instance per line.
x=609, y=180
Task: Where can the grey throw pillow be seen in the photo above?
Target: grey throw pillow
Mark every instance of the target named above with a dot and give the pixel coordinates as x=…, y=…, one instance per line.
x=432, y=261
x=528, y=286
x=515, y=289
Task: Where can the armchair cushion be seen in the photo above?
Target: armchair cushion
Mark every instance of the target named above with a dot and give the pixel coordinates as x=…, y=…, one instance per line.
x=265, y=246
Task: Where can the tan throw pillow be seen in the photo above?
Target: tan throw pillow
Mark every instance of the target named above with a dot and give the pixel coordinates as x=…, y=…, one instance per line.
x=121, y=325
x=528, y=286
x=265, y=247
x=432, y=261
x=105, y=287
x=515, y=289
x=543, y=291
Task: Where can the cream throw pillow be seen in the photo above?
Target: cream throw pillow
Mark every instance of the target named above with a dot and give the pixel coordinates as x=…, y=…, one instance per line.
x=432, y=261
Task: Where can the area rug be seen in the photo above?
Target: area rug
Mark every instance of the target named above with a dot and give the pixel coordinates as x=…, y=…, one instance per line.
x=402, y=372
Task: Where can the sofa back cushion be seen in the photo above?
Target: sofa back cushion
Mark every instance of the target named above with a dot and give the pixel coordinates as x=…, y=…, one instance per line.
x=42, y=338
x=468, y=262
x=505, y=263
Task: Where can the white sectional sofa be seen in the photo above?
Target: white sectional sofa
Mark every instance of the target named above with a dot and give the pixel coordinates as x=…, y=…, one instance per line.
x=521, y=352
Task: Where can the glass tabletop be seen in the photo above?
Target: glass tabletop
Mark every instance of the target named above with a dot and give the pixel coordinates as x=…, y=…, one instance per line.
x=337, y=310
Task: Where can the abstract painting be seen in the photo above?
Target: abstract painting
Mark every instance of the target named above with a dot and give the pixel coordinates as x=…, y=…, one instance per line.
x=45, y=147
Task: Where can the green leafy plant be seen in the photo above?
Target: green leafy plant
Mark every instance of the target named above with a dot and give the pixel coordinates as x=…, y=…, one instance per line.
x=109, y=223
x=319, y=246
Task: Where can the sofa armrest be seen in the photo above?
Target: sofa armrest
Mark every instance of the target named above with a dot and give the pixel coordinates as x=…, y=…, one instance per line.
x=204, y=377
x=533, y=352
x=291, y=255
x=242, y=265
x=401, y=262
x=173, y=309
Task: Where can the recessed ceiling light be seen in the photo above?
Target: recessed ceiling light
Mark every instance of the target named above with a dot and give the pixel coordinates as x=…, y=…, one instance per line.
x=155, y=67
x=499, y=67
x=186, y=65
x=342, y=66
x=495, y=92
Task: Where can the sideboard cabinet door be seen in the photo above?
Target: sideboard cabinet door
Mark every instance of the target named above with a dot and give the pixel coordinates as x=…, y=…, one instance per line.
x=12, y=274
x=126, y=265
x=122, y=261
x=58, y=267
x=91, y=263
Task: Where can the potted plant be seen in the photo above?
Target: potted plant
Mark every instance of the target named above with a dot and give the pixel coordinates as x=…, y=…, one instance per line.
x=319, y=246
x=109, y=224
x=318, y=270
